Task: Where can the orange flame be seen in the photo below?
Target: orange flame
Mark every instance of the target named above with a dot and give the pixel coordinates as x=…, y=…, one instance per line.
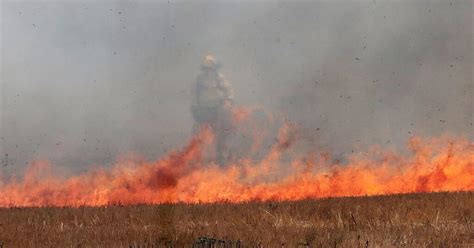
x=437, y=164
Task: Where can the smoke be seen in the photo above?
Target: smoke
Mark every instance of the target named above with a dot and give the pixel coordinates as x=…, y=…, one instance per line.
x=83, y=82
x=86, y=81
x=213, y=105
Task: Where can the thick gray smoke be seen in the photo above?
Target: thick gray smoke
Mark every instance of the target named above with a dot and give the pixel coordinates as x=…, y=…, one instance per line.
x=83, y=82
x=212, y=105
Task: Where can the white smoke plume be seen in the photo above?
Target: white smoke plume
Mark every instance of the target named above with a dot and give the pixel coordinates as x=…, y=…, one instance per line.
x=213, y=105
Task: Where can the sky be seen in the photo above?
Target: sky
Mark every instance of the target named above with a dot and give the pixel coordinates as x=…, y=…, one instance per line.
x=83, y=82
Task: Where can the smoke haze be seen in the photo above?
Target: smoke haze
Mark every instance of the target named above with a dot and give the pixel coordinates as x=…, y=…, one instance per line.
x=84, y=82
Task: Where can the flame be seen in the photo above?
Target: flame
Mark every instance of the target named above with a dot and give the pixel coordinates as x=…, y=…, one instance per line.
x=436, y=164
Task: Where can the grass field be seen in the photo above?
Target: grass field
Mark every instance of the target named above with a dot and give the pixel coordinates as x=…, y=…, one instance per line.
x=414, y=220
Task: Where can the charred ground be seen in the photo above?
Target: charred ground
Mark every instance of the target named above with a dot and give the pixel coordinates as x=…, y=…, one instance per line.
x=413, y=220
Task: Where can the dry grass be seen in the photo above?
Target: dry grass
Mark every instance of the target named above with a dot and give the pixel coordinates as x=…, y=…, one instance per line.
x=416, y=220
